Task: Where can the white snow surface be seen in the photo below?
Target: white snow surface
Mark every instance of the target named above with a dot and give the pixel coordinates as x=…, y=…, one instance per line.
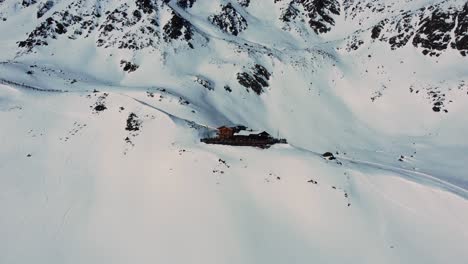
x=77, y=187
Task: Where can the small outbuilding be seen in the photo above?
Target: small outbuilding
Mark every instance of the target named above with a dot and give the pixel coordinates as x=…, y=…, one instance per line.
x=264, y=134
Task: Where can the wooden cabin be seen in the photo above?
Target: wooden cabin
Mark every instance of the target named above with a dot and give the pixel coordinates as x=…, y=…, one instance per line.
x=226, y=137
x=225, y=132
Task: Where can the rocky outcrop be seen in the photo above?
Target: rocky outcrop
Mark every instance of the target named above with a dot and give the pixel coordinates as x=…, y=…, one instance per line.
x=376, y=30
x=130, y=25
x=26, y=3
x=290, y=13
x=403, y=31
x=128, y=66
x=135, y=25
x=432, y=29
x=185, y=3
x=178, y=28
x=461, y=32
x=147, y=6
x=244, y=3
x=318, y=12
x=229, y=20
x=433, y=34
x=44, y=8
x=256, y=79
x=205, y=82
x=129, y=29
x=57, y=24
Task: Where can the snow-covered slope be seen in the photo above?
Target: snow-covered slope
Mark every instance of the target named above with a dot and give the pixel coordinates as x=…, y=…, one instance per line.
x=103, y=104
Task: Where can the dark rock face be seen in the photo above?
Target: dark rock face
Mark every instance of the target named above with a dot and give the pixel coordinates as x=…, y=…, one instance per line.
x=244, y=3
x=26, y=3
x=100, y=104
x=227, y=88
x=255, y=80
x=404, y=30
x=461, y=32
x=430, y=29
x=208, y=84
x=147, y=6
x=319, y=12
x=436, y=96
x=185, y=3
x=328, y=156
x=354, y=43
x=44, y=8
x=73, y=22
x=354, y=8
x=137, y=28
x=177, y=28
x=52, y=27
x=290, y=13
x=127, y=26
x=437, y=99
x=133, y=123
x=100, y=108
x=376, y=31
x=434, y=32
x=229, y=20
x=128, y=66
x=134, y=25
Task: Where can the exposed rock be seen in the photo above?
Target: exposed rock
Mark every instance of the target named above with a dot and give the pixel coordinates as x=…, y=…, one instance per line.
x=430, y=28
x=377, y=30
x=227, y=88
x=290, y=13
x=434, y=32
x=319, y=13
x=136, y=29
x=256, y=79
x=177, y=28
x=44, y=8
x=244, y=3
x=100, y=104
x=182, y=101
x=26, y=3
x=52, y=27
x=128, y=66
x=185, y=3
x=133, y=123
x=404, y=30
x=123, y=27
x=436, y=97
x=328, y=156
x=354, y=43
x=229, y=20
x=461, y=32
x=205, y=83
x=100, y=107
x=147, y=6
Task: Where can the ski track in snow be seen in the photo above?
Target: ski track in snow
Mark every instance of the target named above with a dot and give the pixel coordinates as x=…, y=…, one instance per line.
x=414, y=176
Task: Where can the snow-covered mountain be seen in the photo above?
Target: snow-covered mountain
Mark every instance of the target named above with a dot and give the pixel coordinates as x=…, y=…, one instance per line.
x=103, y=105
